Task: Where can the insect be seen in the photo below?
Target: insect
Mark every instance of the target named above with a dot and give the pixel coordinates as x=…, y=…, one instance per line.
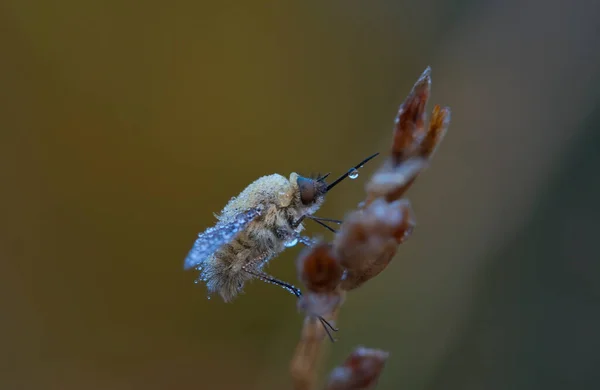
x=257, y=225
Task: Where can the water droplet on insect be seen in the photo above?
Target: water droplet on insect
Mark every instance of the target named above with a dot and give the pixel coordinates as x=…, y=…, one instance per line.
x=291, y=243
x=196, y=281
x=353, y=174
x=208, y=297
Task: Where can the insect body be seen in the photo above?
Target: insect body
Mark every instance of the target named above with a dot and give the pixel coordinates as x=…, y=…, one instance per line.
x=256, y=226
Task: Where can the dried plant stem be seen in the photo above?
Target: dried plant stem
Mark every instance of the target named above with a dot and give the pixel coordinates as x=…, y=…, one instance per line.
x=304, y=365
x=365, y=245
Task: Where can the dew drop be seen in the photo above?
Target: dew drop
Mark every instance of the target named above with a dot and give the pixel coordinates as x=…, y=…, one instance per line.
x=353, y=174
x=291, y=243
x=196, y=281
x=208, y=297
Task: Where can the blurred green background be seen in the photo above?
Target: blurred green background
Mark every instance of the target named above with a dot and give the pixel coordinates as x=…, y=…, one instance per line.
x=124, y=125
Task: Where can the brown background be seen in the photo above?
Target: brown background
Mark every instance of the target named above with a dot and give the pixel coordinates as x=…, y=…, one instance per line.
x=124, y=125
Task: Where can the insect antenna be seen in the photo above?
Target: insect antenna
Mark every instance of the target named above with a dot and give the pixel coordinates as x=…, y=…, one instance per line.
x=345, y=175
x=321, y=178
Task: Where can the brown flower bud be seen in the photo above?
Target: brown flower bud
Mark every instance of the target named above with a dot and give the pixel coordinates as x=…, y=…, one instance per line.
x=360, y=371
x=319, y=269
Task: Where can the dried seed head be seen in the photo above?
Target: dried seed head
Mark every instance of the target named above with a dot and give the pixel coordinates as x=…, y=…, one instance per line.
x=368, y=239
x=360, y=371
x=412, y=144
x=319, y=269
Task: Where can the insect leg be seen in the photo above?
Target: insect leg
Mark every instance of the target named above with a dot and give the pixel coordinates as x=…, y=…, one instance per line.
x=269, y=279
x=320, y=221
x=323, y=224
x=298, y=222
x=291, y=288
x=324, y=219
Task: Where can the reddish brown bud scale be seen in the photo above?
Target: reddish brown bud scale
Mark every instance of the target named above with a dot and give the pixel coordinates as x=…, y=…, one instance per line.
x=409, y=128
x=319, y=269
x=438, y=125
x=372, y=266
x=406, y=227
x=392, y=181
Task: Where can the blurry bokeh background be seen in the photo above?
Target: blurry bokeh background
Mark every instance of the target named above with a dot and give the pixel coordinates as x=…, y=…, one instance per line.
x=124, y=125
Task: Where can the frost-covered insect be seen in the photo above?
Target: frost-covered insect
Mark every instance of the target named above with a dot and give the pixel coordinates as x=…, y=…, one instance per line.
x=257, y=225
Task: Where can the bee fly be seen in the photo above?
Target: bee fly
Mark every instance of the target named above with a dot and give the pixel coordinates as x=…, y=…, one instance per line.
x=257, y=225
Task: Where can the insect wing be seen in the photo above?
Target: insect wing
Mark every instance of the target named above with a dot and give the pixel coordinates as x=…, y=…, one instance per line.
x=215, y=237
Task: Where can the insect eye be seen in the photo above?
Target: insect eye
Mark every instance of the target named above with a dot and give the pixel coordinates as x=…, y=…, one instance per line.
x=308, y=190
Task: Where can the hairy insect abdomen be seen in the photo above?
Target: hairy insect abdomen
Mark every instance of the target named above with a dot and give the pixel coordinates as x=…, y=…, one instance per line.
x=262, y=240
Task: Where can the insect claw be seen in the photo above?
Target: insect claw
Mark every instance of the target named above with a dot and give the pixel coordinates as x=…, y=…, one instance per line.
x=328, y=328
x=328, y=324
